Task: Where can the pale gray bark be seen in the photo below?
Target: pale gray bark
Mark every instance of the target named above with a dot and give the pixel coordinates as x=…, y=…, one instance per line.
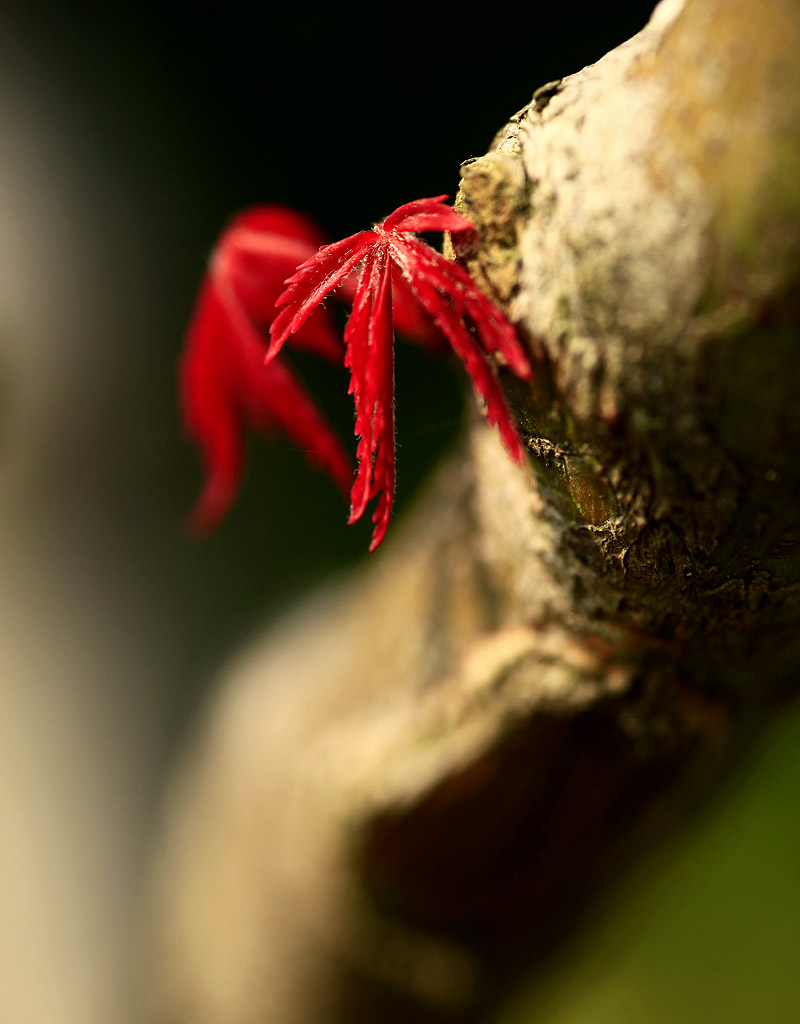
x=420, y=778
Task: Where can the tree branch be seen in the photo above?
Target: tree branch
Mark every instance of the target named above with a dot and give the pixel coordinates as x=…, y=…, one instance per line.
x=422, y=778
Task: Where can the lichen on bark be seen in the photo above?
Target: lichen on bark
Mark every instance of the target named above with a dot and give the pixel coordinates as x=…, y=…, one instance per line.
x=651, y=256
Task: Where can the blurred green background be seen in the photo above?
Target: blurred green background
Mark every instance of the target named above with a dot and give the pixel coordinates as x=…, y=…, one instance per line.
x=129, y=135
x=709, y=929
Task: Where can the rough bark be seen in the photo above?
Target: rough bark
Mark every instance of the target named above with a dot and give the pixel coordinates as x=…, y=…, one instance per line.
x=416, y=784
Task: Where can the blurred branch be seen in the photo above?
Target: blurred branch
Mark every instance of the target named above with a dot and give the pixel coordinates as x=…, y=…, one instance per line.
x=420, y=780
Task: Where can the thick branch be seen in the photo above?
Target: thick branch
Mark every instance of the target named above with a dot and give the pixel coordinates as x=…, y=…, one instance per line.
x=428, y=771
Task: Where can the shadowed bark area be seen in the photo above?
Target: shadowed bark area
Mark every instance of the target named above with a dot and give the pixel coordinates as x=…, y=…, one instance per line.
x=414, y=787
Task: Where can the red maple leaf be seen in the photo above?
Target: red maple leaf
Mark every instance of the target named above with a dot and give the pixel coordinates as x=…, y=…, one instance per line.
x=225, y=384
x=447, y=294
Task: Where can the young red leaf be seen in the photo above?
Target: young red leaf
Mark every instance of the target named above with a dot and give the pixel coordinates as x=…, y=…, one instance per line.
x=225, y=384
x=369, y=337
x=447, y=294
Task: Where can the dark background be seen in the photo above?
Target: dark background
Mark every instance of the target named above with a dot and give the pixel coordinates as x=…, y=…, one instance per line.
x=128, y=136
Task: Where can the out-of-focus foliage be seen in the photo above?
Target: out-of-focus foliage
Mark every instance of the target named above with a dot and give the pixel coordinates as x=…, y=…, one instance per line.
x=709, y=931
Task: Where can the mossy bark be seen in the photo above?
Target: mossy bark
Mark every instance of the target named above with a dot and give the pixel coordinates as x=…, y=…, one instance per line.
x=419, y=782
